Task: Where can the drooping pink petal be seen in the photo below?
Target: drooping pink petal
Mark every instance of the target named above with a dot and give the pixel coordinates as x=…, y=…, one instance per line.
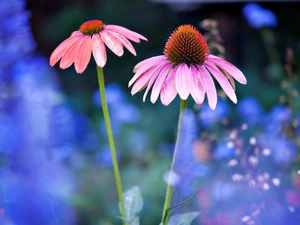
x=145, y=62
x=222, y=80
x=99, y=51
x=197, y=85
x=142, y=81
x=69, y=55
x=124, y=41
x=59, y=51
x=159, y=82
x=76, y=33
x=144, y=66
x=131, y=35
x=83, y=54
x=229, y=68
x=182, y=81
x=156, y=72
x=112, y=43
x=209, y=86
x=168, y=91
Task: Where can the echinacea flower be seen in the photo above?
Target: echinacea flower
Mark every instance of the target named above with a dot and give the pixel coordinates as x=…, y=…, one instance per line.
x=92, y=36
x=186, y=68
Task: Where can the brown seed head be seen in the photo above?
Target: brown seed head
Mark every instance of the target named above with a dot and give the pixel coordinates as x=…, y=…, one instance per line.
x=186, y=45
x=91, y=27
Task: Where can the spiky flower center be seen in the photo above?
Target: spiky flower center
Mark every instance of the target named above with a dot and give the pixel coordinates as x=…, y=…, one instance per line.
x=186, y=45
x=91, y=27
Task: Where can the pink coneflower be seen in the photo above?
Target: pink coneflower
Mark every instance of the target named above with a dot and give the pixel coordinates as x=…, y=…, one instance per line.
x=92, y=36
x=186, y=68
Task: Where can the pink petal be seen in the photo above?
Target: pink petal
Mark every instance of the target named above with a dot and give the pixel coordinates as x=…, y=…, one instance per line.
x=228, y=67
x=83, y=54
x=142, y=81
x=155, y=74
x=59, y=51
x=76, y=33
x=159, y=82
x=99, y=51
x=168, y=91
x=131, y=35
x=124, y=41
x=112, y=43
x=209, y=87
x=197, y=86
x=222, y=80
x=147, y=61
x=145, y=65
x=182, y=81
x=69, y=55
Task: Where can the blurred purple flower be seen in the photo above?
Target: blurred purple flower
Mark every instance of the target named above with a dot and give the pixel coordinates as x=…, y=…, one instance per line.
x=278, y=118
x=116, y=127
x=66, y=126
x=15, y=34
x=298, y=124
x=52, y=122
x=126, y=113
x=250, y=110
x=291, y=216
x=8, y=143
x=61, y=125
x=281, y=114
x=189, y=134
x=259, y=17
x=138, y=141
x=114, y=95
x=187, y=166
x=62, y=152
x=38, y=131
x=283, y=150
x=35, y=197
x=90, y=140
x=104, y=157
x=121, y=111
x=223, y=150
x=223, y=191
x=209, y=117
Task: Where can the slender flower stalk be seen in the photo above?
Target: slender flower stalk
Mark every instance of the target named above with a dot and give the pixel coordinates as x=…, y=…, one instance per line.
x=111, y=140
x=183, y=106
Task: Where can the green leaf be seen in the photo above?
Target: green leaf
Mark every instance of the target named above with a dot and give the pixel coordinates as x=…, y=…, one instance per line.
x=177, y=206
x=183, y=219
x=132, y=221
x=133, y=203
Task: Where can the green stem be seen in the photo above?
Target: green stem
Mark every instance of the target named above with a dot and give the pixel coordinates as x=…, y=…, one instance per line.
x=268, y=40
x=183, y=106
x=276, y=68
x=111, y=141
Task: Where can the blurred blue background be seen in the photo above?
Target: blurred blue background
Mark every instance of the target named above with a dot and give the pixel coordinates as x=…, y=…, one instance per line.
x=55, y=163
